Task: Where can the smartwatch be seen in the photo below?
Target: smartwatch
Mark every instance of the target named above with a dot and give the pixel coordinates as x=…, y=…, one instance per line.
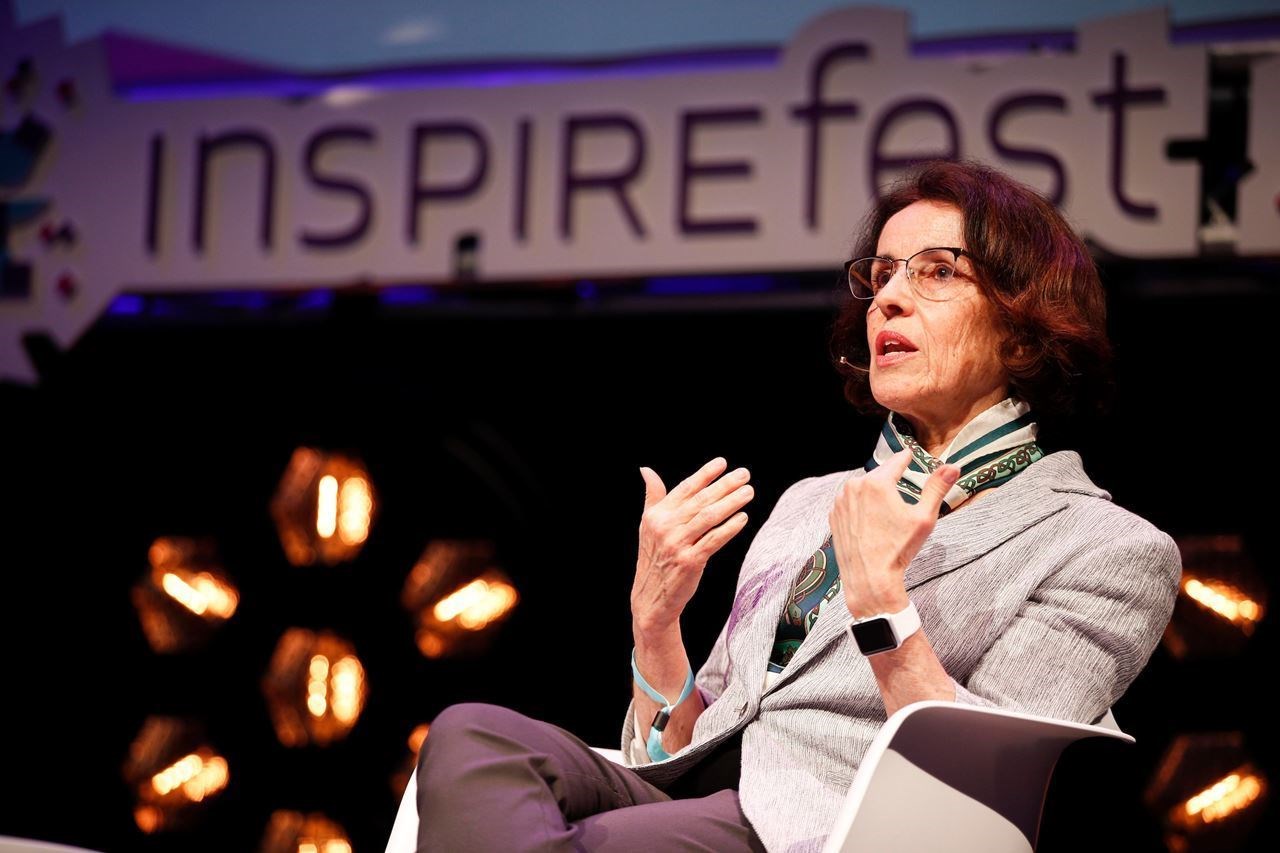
x=884, y=632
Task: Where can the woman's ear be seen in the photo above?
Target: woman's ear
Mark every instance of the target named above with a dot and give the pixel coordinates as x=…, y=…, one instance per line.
x=1017, y=349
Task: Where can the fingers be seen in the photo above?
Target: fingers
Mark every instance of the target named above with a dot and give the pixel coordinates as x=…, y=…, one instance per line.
x=701, y=501
x=716, y=538
x=706, y=515
x=697, y=492
x=697, y=481
x=680, y=530
x=733, y=483
x=899, y=463
x=937, y=486
x=654, y=489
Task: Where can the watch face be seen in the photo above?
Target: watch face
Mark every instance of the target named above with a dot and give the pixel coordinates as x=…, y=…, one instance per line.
x=874, y=636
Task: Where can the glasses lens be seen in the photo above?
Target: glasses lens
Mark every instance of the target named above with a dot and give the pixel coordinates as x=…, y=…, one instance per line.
x=933, y=270
x=868, y=275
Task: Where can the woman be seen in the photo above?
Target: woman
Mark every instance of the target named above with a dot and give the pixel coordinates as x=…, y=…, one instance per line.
x=1002, y=575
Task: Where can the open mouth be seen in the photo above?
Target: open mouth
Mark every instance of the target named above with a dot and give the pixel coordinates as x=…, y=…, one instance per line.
x=892, y=346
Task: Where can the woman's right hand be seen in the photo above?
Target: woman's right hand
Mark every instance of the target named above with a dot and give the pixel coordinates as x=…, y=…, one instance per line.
x=679, y=531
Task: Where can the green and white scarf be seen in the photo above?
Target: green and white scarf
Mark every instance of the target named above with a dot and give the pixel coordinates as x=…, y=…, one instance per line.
x=996, y=445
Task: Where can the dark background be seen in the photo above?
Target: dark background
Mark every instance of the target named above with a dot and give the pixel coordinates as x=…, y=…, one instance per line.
x=520, y=415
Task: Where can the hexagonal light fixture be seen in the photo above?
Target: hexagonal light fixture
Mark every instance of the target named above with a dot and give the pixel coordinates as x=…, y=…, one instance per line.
x=1208, y=793
x=315, y=687
x=295, y=832
x=173, y=773
x=184, y=597
x=323, y=507
x=1223, y=598
x=457, y=597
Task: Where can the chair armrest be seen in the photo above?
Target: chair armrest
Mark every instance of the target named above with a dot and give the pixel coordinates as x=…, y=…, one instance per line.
x=614, y=755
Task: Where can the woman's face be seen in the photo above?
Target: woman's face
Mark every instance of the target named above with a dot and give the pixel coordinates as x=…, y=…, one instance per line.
x=954, y=372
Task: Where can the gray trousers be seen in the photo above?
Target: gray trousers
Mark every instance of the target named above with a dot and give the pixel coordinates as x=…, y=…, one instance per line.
x=492, y=779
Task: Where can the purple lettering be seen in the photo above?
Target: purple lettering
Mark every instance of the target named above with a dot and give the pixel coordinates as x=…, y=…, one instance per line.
x=689, y=169
x=208, y=147
x=524, y=133
x=338, y=184
x=420, y=192
x=899, y=111
x=155, y=192
x=615, y=181
x=815, y=111
x=1116, y=100
x=1038, y=100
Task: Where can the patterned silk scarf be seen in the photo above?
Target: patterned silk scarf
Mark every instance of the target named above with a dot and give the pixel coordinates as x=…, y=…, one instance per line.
x=991, y=449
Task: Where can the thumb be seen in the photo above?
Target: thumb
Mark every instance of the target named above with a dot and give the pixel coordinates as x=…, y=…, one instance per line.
x=938, y=484
x=654, y=490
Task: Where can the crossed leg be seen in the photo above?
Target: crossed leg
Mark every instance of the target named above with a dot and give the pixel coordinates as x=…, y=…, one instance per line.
x=492, y=779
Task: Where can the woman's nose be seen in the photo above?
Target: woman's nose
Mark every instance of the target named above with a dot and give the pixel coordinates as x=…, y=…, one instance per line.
x=894, y=297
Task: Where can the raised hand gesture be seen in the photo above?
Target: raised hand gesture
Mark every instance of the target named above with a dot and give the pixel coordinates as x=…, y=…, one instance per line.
x=679, y=531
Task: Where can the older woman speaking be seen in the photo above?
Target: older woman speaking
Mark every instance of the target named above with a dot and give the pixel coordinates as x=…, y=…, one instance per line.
x=962, y=562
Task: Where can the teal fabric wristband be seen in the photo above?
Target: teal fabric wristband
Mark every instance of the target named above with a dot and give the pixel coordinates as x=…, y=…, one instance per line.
x=654, y=743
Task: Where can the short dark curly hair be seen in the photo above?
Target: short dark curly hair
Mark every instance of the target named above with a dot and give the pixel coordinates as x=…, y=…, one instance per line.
x=1034, y=270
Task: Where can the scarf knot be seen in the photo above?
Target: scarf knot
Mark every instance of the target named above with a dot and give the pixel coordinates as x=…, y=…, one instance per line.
x=997, y=444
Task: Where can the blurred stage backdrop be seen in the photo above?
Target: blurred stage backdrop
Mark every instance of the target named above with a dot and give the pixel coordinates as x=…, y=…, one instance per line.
x=325, y=386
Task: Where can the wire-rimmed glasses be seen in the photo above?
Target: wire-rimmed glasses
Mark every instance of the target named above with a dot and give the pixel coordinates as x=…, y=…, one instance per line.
x=930, y=272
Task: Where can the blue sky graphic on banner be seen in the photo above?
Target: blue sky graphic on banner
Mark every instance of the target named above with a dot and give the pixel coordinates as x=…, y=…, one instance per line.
x=326, y=36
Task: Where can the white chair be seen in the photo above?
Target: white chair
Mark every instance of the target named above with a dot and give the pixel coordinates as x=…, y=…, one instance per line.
x=937, y=776
x=960, y=778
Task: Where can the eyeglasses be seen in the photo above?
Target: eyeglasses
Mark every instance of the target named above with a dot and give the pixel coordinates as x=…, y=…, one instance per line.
x=930, y=272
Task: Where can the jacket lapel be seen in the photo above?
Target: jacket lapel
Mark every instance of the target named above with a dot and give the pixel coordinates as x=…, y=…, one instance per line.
x=987, y=523
x=753, y=642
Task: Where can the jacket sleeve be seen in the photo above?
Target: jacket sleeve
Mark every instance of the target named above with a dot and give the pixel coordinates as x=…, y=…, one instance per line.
x=1084, y=634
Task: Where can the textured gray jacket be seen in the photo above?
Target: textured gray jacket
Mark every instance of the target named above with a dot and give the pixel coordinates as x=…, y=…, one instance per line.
x=1043, y=597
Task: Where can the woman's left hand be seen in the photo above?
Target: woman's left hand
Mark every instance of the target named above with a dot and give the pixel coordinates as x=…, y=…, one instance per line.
x=876, y=534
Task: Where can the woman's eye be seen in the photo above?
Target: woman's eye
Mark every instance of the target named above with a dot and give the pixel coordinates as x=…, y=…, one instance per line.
x=941, y=272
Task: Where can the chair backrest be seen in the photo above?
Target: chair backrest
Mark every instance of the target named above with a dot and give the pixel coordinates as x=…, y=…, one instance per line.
x=9, y=844
x=404, y=832
x=955, y=777
x=1108, y=721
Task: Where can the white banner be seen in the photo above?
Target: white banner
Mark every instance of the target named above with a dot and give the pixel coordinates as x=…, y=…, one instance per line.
x=750, y=170
x=1258, y=205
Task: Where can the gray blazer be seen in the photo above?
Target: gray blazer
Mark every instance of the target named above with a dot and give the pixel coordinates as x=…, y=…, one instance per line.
x=1043, y=597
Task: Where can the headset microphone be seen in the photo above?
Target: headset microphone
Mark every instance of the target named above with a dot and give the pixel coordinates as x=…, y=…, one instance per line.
x=848, y=363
